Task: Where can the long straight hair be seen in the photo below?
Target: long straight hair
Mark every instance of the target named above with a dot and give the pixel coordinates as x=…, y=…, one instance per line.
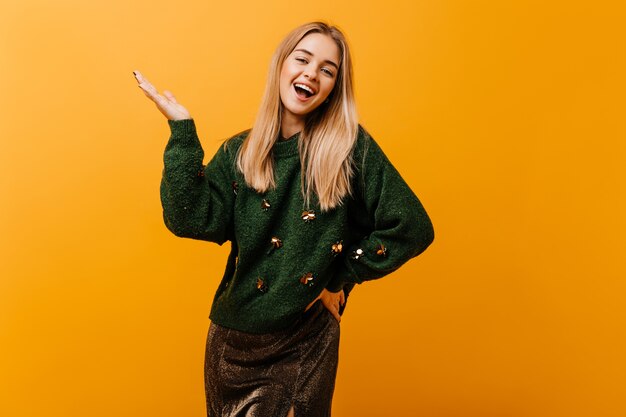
x=328, y=136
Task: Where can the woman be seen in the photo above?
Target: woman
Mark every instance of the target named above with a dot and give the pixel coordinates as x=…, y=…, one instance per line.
x=311, y=206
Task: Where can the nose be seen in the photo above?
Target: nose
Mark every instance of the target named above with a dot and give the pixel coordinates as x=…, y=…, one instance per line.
x=310, y=73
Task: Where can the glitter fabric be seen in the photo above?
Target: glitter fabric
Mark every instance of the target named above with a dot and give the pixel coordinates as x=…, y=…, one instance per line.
x=263, y=375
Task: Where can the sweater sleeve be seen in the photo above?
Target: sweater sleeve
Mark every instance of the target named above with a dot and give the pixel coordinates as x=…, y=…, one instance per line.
x=401, y=228
x=197, y=200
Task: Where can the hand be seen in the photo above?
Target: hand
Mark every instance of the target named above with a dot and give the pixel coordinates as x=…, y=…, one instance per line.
x=166, y=103
x=331, y=300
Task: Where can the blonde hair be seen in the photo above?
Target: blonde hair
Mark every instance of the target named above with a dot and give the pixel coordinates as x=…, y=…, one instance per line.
x=327, y=139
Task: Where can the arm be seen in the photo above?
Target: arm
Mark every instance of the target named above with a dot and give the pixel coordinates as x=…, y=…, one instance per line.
x=197, y=200
x=401, y=227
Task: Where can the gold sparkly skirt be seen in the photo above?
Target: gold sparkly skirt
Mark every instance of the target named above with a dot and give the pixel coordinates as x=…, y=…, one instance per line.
x=263, y=375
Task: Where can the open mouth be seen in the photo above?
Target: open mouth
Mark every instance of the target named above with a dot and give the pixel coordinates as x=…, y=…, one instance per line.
x=303, y=91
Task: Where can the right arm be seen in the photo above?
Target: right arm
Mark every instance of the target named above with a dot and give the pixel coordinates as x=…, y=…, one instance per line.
x=197, y=201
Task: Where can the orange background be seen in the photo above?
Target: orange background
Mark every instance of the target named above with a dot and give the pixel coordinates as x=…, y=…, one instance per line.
x=505, y=117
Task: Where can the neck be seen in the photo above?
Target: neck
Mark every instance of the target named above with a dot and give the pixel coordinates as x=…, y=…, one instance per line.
x=290, y=124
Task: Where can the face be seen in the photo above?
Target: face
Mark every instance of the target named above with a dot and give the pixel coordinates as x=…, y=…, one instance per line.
x=308, y=74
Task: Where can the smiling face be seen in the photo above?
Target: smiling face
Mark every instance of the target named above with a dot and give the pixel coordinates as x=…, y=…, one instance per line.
x=308, y=75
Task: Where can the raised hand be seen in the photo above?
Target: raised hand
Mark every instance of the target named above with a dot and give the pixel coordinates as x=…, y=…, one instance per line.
x=166, y=102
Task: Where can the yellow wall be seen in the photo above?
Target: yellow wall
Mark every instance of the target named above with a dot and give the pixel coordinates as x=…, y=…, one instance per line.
x=505, y=117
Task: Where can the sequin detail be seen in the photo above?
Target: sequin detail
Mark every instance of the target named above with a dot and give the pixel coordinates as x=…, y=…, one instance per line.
x=357, y=254
x=337, y=247
x=308, y=215
x=265, y=204
x=381, y=251
x=235, y=187
x=201, y=172
x=307, y=279
x=261, y=285
x=276, y=243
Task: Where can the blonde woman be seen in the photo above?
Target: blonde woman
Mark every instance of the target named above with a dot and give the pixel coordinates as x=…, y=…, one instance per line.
x=311, y=206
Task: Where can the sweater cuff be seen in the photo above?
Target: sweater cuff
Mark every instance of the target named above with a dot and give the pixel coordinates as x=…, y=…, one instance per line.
x=182, y=128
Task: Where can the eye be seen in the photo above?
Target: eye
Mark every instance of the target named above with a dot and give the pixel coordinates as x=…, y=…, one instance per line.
x=327, y=71
x=301, y=60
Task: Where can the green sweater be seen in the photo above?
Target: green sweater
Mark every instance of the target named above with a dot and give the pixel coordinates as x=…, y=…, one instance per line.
x=282, y=253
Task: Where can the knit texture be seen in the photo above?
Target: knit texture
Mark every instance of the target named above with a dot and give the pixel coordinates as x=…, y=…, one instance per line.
x=282, y=253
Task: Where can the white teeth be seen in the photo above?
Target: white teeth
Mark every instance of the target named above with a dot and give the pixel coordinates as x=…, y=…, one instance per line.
x=307, y=88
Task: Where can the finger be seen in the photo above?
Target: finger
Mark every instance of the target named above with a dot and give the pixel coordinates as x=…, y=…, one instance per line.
x=139, y=76
x=170, y=96
x=150, y=89
x=311, y=303
x=152, y=92
x=342, y=298
x=335, y=313
x=147, y=86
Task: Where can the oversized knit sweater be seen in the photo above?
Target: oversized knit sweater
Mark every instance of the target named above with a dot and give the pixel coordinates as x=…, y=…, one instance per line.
x=284, y=254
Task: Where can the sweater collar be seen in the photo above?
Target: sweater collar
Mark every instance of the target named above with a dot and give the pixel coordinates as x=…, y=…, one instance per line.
x=286, y=147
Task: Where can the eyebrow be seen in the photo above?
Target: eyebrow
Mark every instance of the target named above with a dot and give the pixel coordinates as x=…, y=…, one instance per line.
x=311, y=54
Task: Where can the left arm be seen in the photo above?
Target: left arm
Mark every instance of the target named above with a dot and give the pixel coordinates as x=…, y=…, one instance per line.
x=401, y=227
